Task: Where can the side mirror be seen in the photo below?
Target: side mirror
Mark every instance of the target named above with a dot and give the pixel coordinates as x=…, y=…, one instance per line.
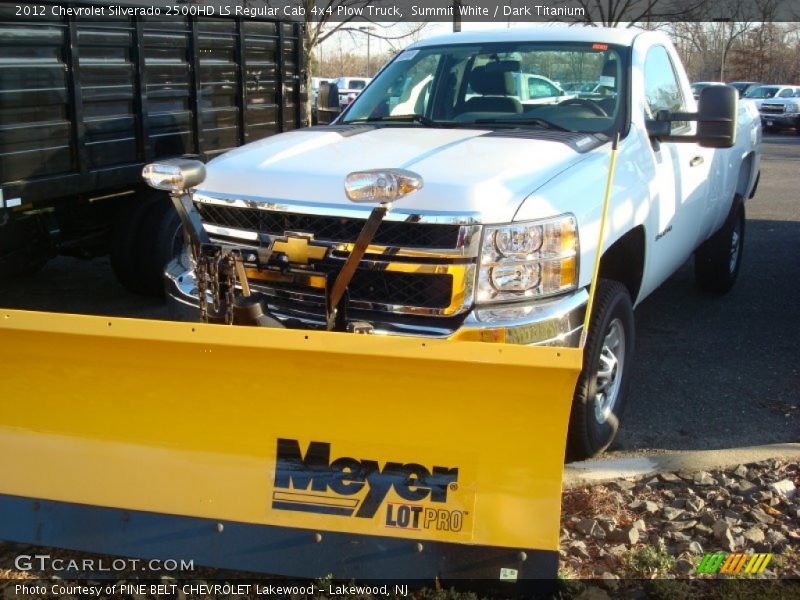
x=660, y=127
x=716, y=122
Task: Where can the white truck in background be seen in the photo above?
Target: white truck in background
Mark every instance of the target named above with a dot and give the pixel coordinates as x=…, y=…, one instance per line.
x=495, y=226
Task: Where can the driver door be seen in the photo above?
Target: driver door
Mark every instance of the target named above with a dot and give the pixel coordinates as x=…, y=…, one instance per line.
x=679, y=191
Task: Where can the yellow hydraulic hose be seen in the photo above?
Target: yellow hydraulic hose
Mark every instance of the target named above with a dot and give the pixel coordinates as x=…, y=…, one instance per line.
x=603, y=218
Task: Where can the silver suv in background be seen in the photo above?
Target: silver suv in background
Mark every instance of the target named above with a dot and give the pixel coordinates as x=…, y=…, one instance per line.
x=770, y=92
x=781, y=113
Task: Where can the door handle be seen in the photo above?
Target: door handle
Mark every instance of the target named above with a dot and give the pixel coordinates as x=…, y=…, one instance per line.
x=696, y=161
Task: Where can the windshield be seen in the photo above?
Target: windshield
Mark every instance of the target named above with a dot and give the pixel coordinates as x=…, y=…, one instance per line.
x=574, y=87
x=761, y=92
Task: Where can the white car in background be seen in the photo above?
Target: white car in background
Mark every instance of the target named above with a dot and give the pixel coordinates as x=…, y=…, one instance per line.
x=350, y=88
x=769, y=92
x=538, y=89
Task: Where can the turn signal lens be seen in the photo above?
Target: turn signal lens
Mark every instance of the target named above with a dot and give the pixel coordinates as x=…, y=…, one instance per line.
x=381, y=185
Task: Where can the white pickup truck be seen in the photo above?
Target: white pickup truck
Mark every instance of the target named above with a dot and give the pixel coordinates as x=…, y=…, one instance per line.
x=494, y=230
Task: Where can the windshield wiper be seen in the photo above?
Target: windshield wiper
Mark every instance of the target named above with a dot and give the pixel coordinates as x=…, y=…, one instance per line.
x=412, y=118
x=544, y=123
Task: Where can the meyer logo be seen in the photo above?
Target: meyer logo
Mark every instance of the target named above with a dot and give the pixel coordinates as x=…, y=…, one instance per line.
x=357, y=487
x=732, y=563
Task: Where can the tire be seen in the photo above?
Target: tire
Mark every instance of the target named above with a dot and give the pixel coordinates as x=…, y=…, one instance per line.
x=124, y=236
x=144, y=240
x=718, y=260
x=160, y=240
x=594, y=419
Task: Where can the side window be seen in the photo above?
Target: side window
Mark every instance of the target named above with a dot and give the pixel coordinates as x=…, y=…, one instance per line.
x=661, y=87
x=787, y=93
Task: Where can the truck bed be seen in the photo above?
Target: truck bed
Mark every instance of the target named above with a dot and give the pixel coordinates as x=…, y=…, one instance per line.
x=85, y=103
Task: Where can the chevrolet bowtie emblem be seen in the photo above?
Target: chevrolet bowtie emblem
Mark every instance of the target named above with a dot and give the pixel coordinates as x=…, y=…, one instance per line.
x=299, y=248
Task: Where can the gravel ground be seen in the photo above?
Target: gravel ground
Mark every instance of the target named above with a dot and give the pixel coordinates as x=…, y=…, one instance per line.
x=662, y=526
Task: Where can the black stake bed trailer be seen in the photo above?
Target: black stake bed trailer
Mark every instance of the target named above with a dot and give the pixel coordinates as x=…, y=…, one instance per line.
x=85, y=103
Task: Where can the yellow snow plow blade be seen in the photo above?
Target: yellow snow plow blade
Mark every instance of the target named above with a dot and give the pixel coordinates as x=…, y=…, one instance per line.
x=293, y=452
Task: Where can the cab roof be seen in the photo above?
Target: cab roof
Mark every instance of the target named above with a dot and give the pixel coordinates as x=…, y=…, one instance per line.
x=578, y=33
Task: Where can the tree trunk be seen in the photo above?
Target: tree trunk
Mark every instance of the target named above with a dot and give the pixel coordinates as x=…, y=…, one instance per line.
x=305, y=78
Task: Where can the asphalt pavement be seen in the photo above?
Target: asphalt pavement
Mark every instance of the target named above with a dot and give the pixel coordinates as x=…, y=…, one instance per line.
x=724, y=371
x=711, y=372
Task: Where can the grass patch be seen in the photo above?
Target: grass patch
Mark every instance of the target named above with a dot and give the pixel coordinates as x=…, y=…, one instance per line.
x=648, y=562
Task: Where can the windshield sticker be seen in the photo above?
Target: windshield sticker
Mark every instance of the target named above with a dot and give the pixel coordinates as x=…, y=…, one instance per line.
x=606, y=81
x=408, y=55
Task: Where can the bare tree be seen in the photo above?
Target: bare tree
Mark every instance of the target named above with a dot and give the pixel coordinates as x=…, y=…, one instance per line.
x=326, y=18
x=729, y=24
x=615, y=13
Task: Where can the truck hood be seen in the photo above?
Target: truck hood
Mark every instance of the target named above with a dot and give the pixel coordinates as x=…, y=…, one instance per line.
x=466, y=172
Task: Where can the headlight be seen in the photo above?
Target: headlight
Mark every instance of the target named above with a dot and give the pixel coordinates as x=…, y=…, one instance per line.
x=526, y=260
x=174, y=176
x=792, y=107
x=518, y=241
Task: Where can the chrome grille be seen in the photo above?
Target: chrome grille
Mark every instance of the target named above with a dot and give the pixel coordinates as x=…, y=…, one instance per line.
x=432, y=291
x=773, y=108
x=423, y=269
x=334, y=229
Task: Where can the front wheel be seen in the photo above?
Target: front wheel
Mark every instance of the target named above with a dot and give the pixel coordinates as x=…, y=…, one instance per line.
x=147, y=235
x=602, y=388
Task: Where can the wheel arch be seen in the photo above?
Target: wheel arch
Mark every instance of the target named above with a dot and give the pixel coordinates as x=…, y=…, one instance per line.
x=624, y=261
x=745, y=184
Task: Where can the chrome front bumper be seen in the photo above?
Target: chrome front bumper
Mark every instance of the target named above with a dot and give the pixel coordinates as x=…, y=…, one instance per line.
x=782, y=119
x=554, y=322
